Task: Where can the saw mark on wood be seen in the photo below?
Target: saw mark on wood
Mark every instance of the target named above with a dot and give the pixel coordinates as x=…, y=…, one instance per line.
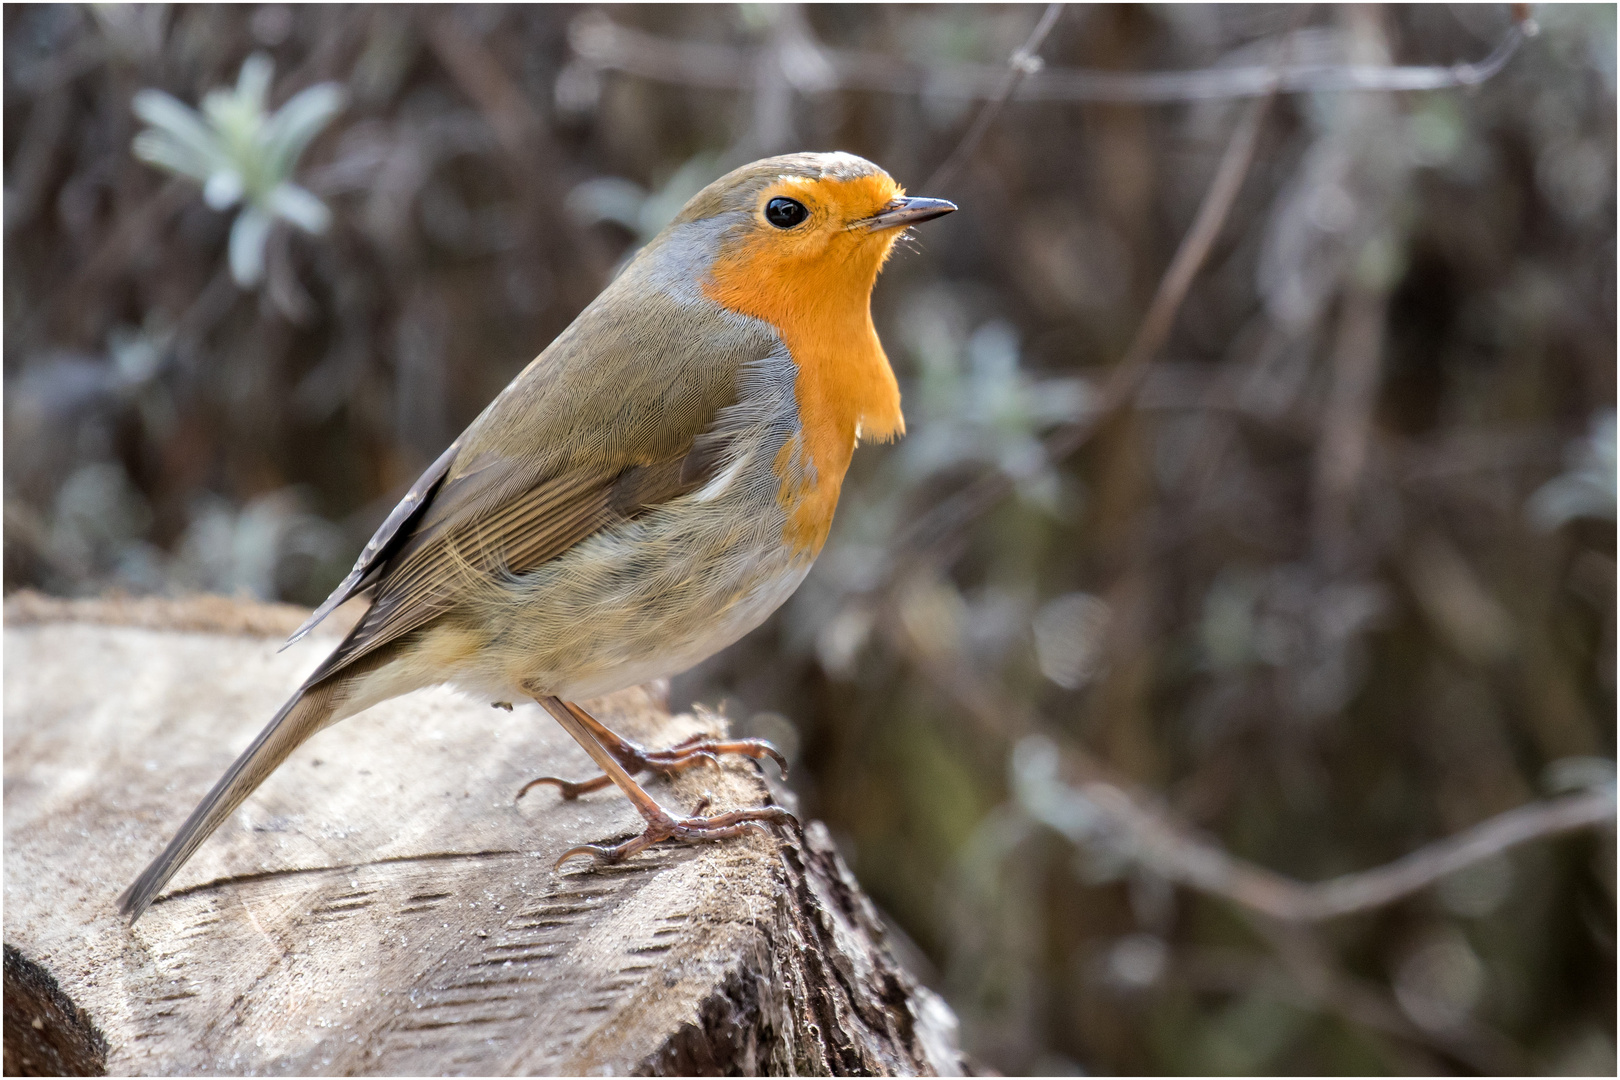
x=453, y=1002
x=635, y=867
x=513, y=946
x=512, y=980
x=649, y=950
x=543, y=924
x=434, y=1025
x=519, y=958
x=419, y=902
x=201, y=926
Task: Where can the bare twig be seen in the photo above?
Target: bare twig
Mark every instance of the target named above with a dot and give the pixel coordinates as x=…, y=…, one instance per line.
x=49, y=74
x=29, y=169
x=531, y=152
x=1020, y=65
x=606, y=44
x=938, y=529
x=134, y=231
x=522, y=134
x=1094, y=805
x=1099, y=811
x=1239, y=82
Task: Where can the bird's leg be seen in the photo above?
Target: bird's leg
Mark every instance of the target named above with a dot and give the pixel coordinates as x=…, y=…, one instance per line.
x=683, y=755
x=660, y=824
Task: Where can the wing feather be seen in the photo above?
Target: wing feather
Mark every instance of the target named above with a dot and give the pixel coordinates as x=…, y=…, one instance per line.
x=427, y=579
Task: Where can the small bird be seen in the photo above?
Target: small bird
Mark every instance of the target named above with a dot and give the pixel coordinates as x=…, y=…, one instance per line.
x=649, y=489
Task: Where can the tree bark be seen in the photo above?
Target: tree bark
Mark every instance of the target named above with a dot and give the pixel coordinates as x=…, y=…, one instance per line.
x=382, y=904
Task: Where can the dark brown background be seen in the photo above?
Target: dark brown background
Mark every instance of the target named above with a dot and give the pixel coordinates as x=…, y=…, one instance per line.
x=1312, y=586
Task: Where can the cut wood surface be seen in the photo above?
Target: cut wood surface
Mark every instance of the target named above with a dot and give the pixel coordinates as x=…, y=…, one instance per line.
x=382, y=904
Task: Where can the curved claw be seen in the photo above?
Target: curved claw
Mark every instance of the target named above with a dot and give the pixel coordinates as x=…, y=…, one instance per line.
x=600, y=853
x=759, y=748
x=656, y=831
x=776, y=756
x=568, y=789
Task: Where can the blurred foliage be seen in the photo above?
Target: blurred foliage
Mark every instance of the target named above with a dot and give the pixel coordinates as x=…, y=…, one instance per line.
x=1340, y=582
x=240, y=154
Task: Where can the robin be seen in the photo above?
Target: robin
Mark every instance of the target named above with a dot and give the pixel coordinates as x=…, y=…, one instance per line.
x=648, y=490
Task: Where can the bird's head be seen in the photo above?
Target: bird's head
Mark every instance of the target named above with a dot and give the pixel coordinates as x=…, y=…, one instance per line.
x=809, y=215
x=800, y=229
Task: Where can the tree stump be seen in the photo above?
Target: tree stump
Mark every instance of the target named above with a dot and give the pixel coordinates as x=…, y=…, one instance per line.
x=383, y=904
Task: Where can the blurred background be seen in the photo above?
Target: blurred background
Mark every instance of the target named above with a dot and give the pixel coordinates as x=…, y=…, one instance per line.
x=1330, y=577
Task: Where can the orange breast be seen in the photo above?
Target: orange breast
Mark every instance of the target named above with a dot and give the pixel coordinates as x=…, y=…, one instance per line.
x=845, y=390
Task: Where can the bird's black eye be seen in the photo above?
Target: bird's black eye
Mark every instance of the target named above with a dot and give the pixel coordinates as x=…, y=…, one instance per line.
x=785, y=213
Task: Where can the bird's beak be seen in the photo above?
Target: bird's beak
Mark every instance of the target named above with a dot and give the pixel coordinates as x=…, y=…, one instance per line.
x=906, y=210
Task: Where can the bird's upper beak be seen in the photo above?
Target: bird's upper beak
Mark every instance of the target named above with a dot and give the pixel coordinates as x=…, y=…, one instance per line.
x=906, y=210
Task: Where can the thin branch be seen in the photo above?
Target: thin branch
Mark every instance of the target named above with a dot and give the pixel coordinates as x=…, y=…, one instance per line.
x=1422, y=868
x=1240, y=82
x=937, y=530
x=1104, y=812
x=521, y=131
x=531, y=152
x=1099, y=809
x=1096, y=806
x=608, y=45
x=1023, y=63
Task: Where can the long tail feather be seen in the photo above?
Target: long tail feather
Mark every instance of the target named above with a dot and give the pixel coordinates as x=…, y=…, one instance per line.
x=302, y=716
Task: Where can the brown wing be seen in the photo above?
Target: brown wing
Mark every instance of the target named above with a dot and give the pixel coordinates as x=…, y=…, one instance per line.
x=514, y=532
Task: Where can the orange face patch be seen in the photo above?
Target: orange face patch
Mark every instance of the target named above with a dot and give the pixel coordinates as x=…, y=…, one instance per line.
x=813, y=284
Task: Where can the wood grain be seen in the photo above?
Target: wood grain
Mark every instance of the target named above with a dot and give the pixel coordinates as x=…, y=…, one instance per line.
x=382, y=905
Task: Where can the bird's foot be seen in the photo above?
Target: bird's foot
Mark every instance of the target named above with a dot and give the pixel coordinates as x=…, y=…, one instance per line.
x=697, y=750
x=662, y=826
